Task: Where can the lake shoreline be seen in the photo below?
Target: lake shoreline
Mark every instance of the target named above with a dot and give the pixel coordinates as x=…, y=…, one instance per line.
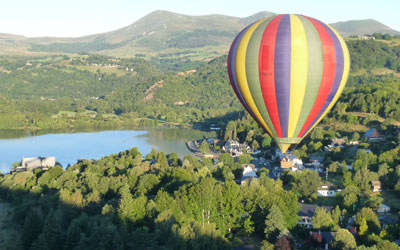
x=69, y=147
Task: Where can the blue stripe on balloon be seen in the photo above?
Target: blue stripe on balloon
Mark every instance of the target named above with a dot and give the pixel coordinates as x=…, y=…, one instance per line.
x=282, y=67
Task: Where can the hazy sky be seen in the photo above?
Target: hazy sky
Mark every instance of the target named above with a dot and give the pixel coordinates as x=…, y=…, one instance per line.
x=84, y=17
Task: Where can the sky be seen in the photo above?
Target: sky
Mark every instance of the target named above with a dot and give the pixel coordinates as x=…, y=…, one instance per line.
x=73, y=18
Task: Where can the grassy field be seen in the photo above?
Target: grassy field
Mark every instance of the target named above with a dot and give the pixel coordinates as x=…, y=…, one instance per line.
x=72, y=114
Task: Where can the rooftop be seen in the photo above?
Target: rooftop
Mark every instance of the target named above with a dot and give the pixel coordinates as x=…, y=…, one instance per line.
x=309, y=209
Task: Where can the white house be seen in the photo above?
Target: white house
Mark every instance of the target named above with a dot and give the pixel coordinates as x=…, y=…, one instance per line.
x=327, y=190
x=383, y=209
x=249, y=172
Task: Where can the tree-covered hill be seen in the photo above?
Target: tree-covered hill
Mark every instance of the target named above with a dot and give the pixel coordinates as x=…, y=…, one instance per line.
x=163, y=32
x=362, y=27
x=57, y=91
x=124, y=202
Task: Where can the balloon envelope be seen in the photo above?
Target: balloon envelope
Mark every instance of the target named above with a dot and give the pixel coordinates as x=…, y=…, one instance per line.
x=288, y=71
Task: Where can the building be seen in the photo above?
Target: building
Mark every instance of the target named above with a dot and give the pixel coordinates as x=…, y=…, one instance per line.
x=383, y=209
x=32, y=163
x=338, y=142
x=291, y=161
x=232, y=145
x=376, y=186
x=249, y=172
x=372, y=135
x=235, y=148
x=327, y=190
x=307, y=211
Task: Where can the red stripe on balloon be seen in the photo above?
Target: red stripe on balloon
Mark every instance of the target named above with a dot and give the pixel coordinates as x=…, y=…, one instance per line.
x=328, y=73
x=266, y=71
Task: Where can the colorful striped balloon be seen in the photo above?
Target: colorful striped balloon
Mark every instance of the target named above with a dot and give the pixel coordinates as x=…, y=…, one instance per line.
x=288, y=71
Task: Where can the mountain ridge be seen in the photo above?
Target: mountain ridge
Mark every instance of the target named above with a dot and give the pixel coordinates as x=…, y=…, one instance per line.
x=162, y=32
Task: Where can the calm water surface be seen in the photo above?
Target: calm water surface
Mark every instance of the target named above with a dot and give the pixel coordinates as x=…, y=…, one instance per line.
x=69, y=147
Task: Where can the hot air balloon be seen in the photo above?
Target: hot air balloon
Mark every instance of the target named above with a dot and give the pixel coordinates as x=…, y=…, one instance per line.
x=288, y=71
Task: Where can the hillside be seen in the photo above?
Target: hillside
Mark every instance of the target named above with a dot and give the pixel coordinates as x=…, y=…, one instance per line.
x=362, y=27
x=163, y=33
x=157, y=32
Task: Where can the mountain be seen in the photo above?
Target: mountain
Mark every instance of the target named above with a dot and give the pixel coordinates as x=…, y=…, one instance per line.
x=251, y=19
x=160, y=31
x=164, y=33
x=5, y=36
x=362, y=27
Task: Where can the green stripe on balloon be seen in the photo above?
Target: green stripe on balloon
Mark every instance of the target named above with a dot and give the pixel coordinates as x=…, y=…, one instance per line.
x=314, y=75
x=252, y=73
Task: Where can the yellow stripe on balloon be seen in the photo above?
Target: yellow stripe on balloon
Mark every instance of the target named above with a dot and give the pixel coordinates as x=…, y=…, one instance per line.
x=298, y=72
x=241, y=73
x=346, y=70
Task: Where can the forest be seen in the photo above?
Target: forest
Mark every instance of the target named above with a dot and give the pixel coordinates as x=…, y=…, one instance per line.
x=95, y=91
x=132, y=201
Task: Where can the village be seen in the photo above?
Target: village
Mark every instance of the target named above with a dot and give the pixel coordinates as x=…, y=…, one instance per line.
x=278, y=165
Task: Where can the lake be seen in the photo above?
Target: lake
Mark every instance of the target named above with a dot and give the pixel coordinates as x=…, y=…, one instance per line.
x=69, y=147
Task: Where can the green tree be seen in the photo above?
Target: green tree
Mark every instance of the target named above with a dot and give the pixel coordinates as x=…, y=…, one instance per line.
x=308, y=183
x=231, y=206
x=371, y=218
x=40, y=243
x=322, y=220
x=32, y=227
x=227, y=159
x=363, y=227
x=244, y=159
x=52, y=231
x=205, y=148
x=131, y=210
x=344, y=240
x=274, y=224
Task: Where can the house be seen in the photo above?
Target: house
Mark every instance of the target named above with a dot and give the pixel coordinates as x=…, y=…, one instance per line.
x=366, y=37
x=372, y=134
x=316, y=159
x=383, y=209
x=286, y=163
x=235, y=148
x=231, y=145
x=376, y=186
x=32, y=163
x=338, y=142
x=307, y=211
x=291, y=161
x=249, y=172
x=327, y=190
